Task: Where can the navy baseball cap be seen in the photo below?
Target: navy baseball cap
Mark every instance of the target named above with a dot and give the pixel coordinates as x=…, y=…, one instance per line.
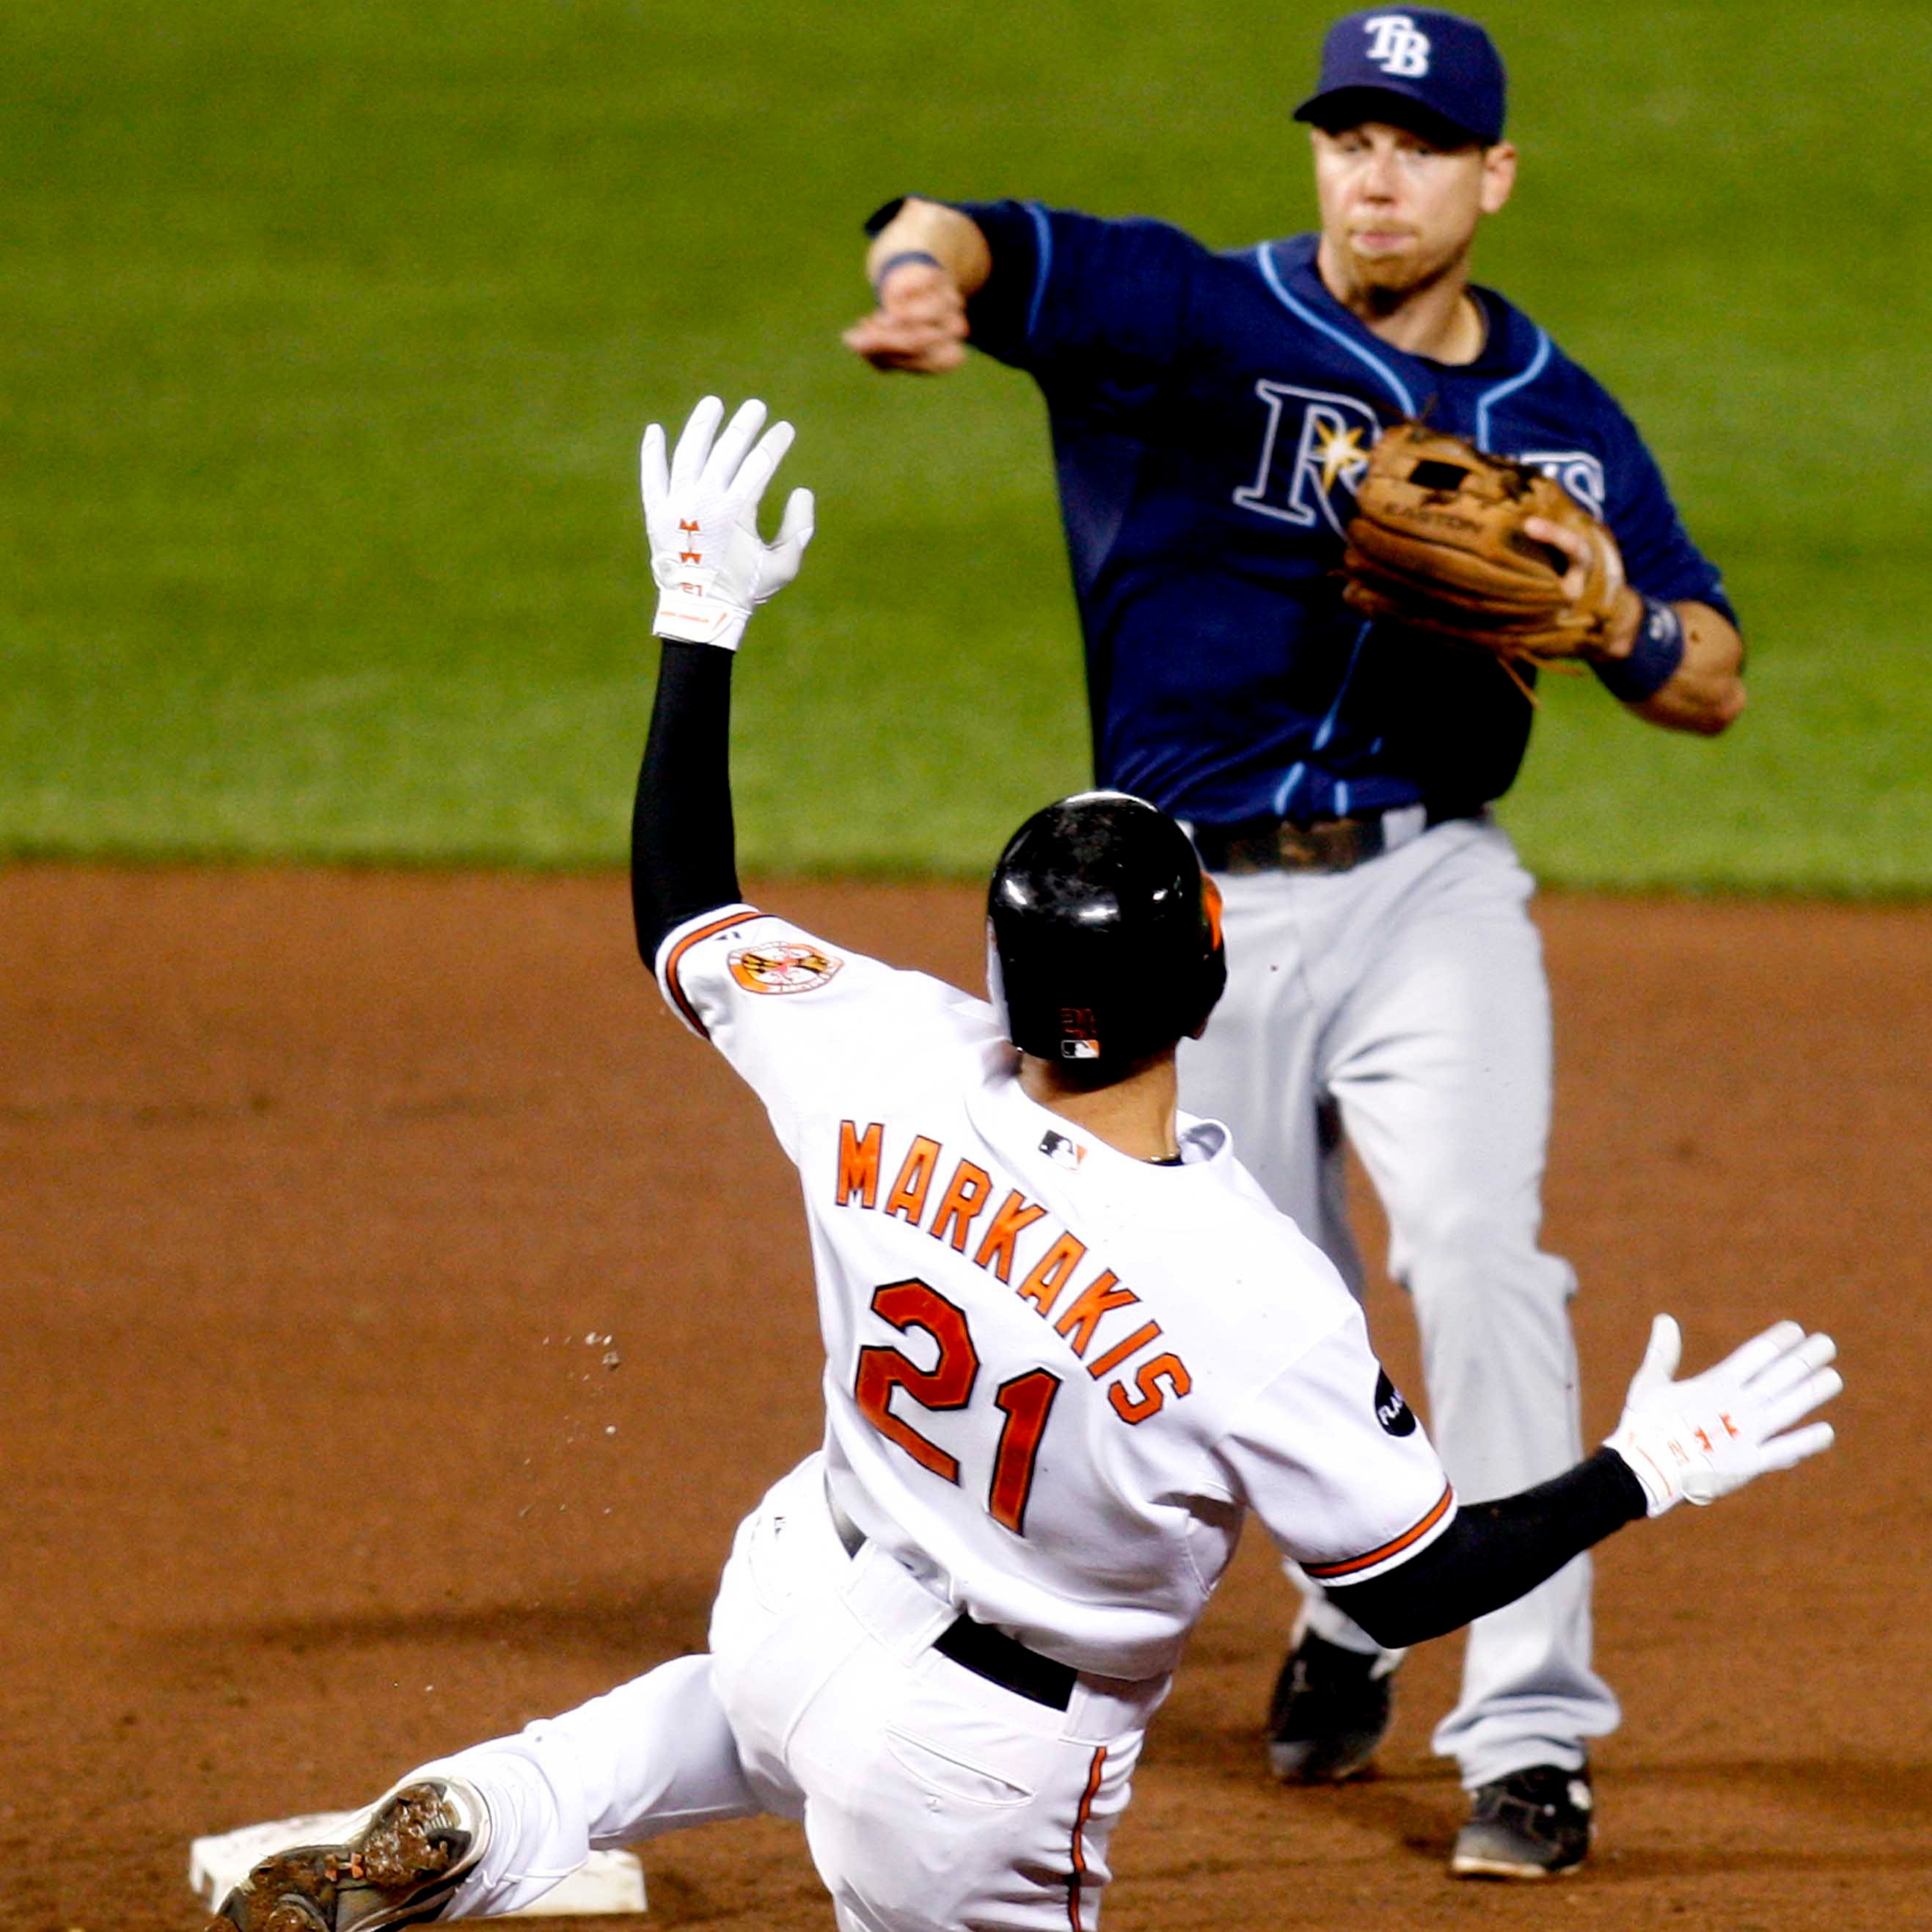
x=1444, y=71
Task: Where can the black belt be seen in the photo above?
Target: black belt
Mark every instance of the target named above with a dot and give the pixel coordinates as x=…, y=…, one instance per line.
x=1269, y=845
x=980, y=1649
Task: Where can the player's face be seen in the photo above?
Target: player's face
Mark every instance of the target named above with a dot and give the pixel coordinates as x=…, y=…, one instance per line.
x=1397, y=209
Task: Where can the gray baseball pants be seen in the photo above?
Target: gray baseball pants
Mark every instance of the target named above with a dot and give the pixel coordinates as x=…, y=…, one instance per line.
x=1407, y=996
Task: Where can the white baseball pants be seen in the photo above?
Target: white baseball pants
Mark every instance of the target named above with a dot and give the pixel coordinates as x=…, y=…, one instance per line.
x=932, y=1800
x=1409, y=994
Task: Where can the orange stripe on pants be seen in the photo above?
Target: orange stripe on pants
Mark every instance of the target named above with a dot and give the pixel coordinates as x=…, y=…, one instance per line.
x=1078, y=1875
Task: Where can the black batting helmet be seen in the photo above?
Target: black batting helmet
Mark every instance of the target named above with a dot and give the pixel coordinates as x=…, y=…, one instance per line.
x=1104, y=935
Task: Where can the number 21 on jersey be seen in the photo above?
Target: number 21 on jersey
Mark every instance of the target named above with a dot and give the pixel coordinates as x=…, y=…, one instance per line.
x=1025, y=1400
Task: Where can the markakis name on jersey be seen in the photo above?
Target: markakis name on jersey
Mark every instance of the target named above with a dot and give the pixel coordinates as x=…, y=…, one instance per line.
x=1075, y=1315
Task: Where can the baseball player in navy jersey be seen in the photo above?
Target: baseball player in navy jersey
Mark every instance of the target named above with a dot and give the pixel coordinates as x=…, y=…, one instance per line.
x=1070, y=1345
x=1211, y=413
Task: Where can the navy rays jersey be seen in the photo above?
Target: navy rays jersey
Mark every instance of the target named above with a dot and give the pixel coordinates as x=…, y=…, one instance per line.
x=1211, y=414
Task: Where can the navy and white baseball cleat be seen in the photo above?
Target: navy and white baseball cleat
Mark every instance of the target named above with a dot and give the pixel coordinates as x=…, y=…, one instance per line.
x=1533, y=1824
x=400, y=1865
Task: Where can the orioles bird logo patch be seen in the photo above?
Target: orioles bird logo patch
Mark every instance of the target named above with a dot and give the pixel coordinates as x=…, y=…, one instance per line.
x=790, y=966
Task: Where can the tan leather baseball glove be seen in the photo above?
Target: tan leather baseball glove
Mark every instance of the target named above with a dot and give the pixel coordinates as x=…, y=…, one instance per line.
x=1437, y=543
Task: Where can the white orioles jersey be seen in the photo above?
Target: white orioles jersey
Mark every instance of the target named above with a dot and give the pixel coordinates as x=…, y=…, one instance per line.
x=1056, y=1376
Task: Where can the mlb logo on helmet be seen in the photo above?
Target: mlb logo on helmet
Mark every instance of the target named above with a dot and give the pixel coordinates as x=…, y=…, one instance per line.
x=1079, y=1035
x=1437, y=73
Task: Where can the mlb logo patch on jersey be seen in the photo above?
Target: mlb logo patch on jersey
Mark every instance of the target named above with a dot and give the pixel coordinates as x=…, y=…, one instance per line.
x=790, y=966
x=1057, y=1146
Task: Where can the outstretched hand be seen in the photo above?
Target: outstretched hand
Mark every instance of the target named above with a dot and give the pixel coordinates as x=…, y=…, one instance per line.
x=920, y=325
x=1698, y=1439
x=711, y=568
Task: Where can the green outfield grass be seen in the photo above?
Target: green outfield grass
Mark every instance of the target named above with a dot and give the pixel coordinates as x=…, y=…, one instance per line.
x=326, y=332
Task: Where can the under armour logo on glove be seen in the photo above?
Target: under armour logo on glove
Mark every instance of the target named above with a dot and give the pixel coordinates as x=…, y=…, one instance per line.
x=701, y=516
x=1696, y=1440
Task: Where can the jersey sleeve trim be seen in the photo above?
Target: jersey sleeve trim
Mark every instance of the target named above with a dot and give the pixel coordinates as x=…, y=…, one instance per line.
x=678, y=942
x=1044, y=265
x=1436, y=1520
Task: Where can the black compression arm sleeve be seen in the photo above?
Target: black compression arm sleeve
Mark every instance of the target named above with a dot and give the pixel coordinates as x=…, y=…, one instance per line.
x=1493, y=1553
x=683, y=850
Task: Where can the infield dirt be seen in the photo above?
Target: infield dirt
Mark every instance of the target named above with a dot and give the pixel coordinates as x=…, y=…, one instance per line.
x=400, y=1310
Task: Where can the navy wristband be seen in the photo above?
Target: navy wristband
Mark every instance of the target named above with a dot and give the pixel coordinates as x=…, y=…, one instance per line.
x=904, y=255
x=1653, y=658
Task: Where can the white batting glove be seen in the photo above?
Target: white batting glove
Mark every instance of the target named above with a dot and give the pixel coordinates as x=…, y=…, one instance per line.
x=1695, y=1441
x=701, y=515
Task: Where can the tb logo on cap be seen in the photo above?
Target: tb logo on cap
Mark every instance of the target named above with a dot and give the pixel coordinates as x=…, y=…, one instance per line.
x=1396, y=46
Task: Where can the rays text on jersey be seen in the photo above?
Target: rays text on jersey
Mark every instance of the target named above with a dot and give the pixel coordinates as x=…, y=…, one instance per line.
x=1314, y=443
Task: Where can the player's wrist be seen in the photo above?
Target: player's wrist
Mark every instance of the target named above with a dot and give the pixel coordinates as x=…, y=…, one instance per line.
x=903, y=258
x=1619, y=634
x=724, y=633
x=691, y=611
x=1651, y=637
x=1652, y=1460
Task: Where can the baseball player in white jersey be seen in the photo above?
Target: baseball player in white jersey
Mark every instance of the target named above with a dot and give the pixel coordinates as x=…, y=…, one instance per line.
x=1070, y=1344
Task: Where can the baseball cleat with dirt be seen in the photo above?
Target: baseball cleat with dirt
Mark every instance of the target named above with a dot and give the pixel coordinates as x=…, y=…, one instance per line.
x=1533, y=1824
x=400, y=1866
